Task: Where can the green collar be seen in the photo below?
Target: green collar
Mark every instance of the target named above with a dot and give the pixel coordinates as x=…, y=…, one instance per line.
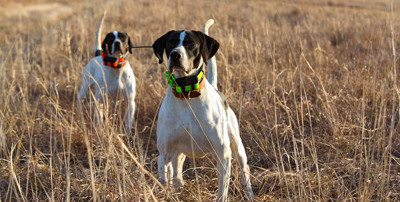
x=185, y=84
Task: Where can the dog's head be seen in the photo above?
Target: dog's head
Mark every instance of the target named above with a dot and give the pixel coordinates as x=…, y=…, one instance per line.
x=186, y=50
x=117, y=43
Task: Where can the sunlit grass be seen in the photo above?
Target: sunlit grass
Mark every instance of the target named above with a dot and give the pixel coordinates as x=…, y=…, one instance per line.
x=313, y=84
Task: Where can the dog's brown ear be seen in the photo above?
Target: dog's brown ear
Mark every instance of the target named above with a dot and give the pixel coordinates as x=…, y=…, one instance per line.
x=208, y=47
x=159, y=46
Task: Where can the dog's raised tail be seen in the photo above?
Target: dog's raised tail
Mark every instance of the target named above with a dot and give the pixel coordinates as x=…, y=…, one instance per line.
x=212, y=63
x=97, y=45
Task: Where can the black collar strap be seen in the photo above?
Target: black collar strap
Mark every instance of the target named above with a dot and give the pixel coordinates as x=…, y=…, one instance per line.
x=186, y=87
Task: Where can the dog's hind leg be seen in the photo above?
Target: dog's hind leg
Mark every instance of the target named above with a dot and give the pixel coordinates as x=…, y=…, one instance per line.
x=177, y=166
x=239, y=152
x=224, y=171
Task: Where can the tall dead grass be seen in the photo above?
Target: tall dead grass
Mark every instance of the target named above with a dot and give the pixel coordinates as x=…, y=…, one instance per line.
x=314, y=85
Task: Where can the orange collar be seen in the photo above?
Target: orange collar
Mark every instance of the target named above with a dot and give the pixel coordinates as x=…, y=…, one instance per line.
x=113, y=62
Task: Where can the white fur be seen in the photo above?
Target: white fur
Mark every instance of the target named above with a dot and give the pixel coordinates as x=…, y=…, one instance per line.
x=181, y=38
x=116, y=39
x=181, y=50
x=212, y=63
x=109, y=81
x=97, y=45
x=195, y=127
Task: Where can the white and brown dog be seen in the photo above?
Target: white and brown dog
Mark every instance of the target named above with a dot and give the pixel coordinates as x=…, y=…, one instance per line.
x=194, y=118
x=110, y=73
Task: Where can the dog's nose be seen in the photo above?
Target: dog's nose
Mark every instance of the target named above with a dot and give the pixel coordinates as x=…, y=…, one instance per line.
x=175, y=55
x=117, y=45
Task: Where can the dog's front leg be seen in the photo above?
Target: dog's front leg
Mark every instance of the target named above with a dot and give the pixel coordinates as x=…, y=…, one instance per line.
x=99, y=107
x=224, y=171
x=177, y=166
x=83, y=90
x=87, y=81
x=130, y=93
x=129, y=115
x=165, y=170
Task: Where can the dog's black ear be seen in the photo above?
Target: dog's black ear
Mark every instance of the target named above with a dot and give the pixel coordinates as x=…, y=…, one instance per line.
x=208, y=47
x=130, y=45
x=105, y=42
x=159, y=46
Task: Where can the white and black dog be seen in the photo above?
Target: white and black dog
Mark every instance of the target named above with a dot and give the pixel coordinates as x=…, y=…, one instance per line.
x=194, y=118
x=110, y=73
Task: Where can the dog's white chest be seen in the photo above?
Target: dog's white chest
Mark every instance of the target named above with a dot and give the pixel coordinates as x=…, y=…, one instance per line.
x=114, y=84
x=191, y=126
x=114, y=81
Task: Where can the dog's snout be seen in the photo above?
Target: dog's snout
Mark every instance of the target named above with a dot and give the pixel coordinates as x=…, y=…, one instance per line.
x=175, y=55
x=117, y=45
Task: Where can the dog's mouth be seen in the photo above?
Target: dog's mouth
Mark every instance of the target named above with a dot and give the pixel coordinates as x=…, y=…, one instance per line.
x=117, y=53
x=178, y=69
x=177, y=66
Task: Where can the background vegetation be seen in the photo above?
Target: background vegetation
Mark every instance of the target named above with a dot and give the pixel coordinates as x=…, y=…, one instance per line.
x=313, y=83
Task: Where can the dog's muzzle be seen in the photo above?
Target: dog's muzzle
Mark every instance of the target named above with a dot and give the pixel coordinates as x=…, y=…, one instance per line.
x=117, y=46
x=176, y=61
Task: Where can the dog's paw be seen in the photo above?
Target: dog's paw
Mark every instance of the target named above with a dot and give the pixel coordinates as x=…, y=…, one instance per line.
x=178, y=183
x=249, y=193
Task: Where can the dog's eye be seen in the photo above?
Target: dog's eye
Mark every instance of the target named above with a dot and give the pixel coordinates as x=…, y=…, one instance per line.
x=189, y=44
x=171, y=44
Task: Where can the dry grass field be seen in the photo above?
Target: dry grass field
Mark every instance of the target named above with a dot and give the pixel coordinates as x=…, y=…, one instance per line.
x=314, y=84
